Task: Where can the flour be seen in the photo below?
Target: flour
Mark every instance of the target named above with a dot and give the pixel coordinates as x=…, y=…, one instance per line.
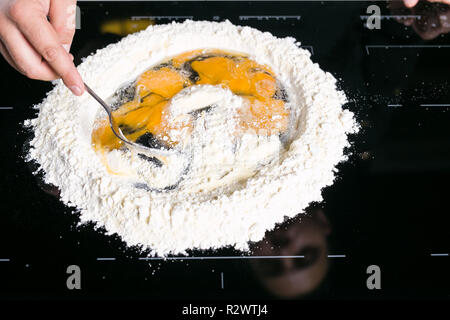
x=230, y=188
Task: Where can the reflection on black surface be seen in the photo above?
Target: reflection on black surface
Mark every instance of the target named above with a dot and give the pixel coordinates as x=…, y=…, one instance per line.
x=432, y=19
x=391, y=209
x=291, y=277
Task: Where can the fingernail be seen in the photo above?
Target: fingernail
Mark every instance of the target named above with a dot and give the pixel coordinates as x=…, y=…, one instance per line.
x=76, y=90
x=66, y=47
x=410, y=3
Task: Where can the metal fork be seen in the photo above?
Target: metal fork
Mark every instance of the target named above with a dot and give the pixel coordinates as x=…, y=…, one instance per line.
x=160, y=154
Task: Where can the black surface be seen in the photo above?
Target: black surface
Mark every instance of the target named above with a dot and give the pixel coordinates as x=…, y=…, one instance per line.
x=388, y=207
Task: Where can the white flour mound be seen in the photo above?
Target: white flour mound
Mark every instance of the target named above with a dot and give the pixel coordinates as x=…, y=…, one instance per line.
x=233, y=192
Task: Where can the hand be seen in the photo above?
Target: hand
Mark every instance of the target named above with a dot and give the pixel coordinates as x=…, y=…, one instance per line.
x=412, y=3
x=35, y=38
x=434, y=18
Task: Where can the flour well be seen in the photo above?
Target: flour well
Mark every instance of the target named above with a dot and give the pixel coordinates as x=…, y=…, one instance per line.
x=232, y=185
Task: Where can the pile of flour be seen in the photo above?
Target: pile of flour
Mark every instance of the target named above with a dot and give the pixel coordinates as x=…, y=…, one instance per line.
x=233, y=191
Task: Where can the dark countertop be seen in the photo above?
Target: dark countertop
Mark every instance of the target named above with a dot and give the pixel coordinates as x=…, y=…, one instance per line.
x=389, y=206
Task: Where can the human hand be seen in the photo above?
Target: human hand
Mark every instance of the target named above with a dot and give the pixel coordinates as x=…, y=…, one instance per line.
x=433, y=19
x=412, y=3
x=35, y=39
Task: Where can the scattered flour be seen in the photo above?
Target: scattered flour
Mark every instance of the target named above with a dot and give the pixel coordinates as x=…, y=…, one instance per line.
x=233, y=189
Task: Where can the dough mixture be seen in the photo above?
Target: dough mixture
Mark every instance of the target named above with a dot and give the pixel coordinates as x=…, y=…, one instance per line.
x=259, y=127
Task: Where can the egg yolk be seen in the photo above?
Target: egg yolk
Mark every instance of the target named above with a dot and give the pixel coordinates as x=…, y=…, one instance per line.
x=263, y=111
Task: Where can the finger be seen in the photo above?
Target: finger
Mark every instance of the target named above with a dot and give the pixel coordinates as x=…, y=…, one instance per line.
x=8, y=58
x=62, y=18
x=441, y=1
x=31, y=19
x=410, y=3
x=25, y=58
